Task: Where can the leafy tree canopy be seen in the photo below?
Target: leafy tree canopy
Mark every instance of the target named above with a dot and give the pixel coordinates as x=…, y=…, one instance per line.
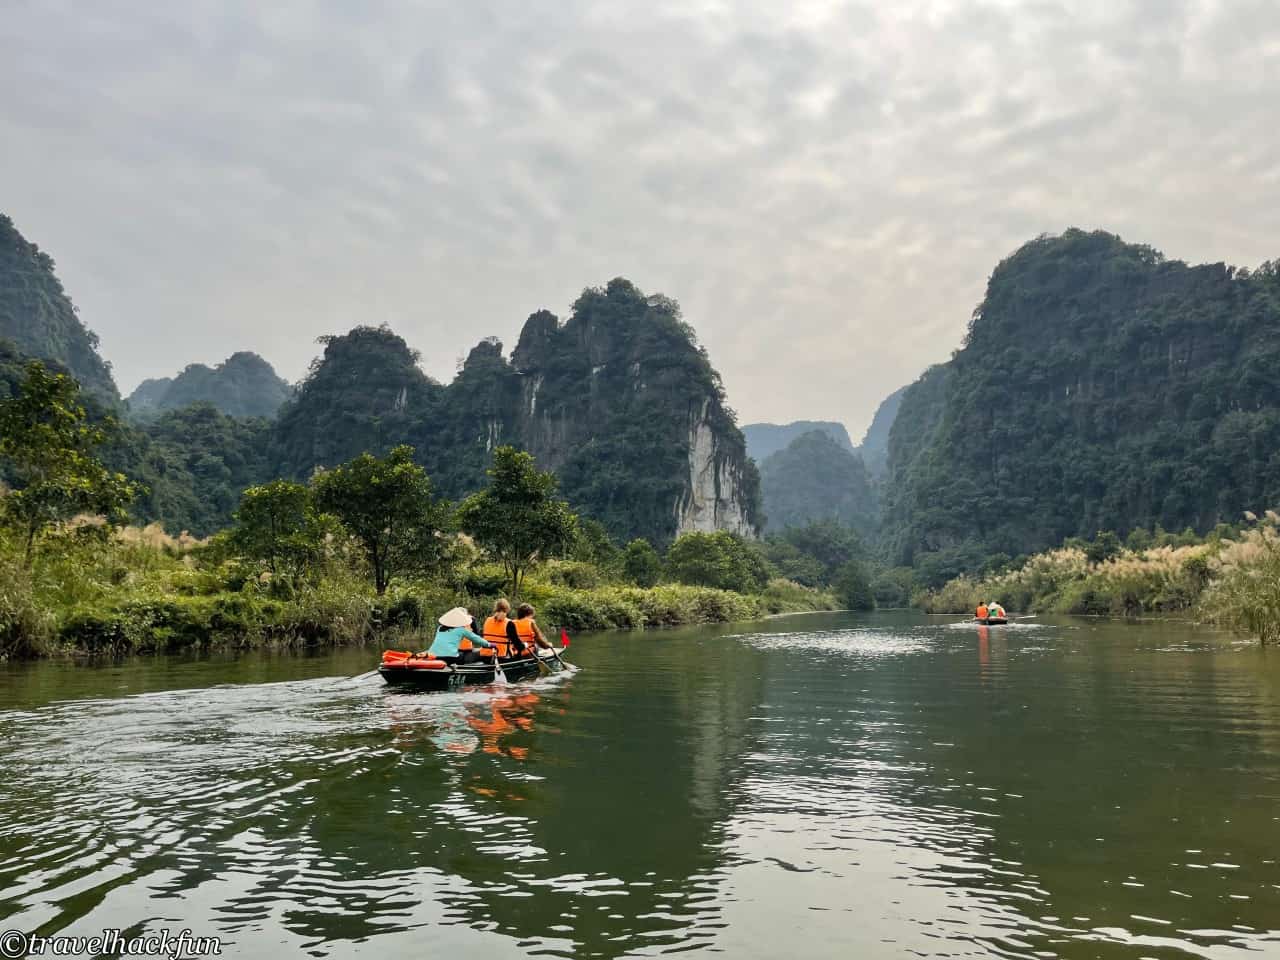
x=641, y=564
x=518, y=519
x=51, y=448
x=721, y=560
x=387, y=504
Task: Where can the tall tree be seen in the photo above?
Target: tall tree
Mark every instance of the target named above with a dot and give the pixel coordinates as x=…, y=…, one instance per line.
x=46, y=436
x=518, y=519
x=387, y=504
x=277, y=525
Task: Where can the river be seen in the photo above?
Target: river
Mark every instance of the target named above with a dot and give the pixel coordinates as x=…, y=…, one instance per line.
x=814, y=786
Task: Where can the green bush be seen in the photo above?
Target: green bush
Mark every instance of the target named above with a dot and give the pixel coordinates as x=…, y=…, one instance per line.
x=787, y=596
x=718, y=560
x=853, y=587
x=574, y=574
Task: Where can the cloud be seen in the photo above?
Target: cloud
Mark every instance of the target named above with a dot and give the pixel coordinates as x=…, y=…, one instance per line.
x=825, y=187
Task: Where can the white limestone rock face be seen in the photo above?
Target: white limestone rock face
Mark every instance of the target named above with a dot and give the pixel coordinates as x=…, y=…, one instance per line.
x=713, y=500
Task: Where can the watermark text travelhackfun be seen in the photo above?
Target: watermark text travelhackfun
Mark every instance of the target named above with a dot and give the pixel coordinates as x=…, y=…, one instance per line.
x=183, y=945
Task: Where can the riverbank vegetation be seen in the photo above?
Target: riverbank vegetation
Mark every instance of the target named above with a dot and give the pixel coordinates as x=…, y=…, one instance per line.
x=1230, y=577
x=364, y=550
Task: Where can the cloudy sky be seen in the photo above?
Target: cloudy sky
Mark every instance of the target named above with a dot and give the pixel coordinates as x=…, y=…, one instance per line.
x=824, y=186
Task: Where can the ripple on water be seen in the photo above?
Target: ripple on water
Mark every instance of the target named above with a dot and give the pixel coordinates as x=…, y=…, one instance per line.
x=931, y=795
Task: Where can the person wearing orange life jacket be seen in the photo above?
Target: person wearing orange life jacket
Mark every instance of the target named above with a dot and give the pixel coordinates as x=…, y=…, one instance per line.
x=982, y=612
x=500, y=630
x=527, y=629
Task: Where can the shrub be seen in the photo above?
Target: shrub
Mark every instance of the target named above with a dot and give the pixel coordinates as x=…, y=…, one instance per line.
x=640, y=563
x=787, y=596
x=718, y=560
x=853, y=587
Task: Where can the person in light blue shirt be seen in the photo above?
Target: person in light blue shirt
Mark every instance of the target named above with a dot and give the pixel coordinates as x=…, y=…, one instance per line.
x=455, y=641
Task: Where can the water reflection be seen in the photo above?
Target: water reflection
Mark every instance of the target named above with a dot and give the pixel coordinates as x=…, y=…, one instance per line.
x=822, y=786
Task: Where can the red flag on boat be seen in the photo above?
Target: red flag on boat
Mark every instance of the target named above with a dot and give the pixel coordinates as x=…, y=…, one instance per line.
x=564, y=638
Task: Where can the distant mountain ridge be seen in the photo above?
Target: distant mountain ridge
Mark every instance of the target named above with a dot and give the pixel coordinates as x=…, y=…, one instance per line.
x=243, y=385
x=816, y=478
x=766, y=439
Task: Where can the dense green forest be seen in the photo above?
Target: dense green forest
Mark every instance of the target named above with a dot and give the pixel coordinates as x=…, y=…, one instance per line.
x=364, y=547
x=1100, y=387
x=618, y=400
x=38, y=318
x=243, y=385
x=815, y=478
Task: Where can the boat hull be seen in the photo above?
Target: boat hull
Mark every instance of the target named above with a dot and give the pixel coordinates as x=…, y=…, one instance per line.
x=464, y=675
x=993, y=621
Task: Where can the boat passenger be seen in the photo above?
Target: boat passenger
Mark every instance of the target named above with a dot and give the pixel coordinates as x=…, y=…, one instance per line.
x=527, y=629
x=455, y=641
x=995, y=610
x=981, y=612
x=500, y=630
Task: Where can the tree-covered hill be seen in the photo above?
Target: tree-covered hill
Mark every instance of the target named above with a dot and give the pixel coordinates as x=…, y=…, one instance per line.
x=37, y=316
x=874, y=448
x=243, y=385
x=817, y=479
x=618, y=400
x=766, y=439
x=1100, y=386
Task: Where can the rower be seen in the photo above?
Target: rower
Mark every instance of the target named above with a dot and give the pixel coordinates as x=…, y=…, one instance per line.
x=500, y=630
x=527, y=629
x=982, y=612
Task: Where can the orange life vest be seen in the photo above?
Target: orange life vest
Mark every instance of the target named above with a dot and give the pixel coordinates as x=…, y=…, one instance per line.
x=982, y=611
x=495, y=631
x=524, y=630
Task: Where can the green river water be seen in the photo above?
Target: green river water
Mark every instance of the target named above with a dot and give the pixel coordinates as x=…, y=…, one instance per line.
x=814, y=786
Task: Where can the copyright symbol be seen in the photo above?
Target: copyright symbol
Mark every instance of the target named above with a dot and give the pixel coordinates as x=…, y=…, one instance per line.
x=13, y=944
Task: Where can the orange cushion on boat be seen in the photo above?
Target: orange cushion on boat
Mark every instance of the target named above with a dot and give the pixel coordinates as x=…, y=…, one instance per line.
x=425, y=663
x=394, y=656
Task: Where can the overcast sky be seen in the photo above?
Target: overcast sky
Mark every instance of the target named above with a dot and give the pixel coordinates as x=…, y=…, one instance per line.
x=824, y=187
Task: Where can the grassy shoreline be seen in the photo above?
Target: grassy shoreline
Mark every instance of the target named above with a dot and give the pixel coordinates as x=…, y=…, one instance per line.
x=141, y=592
x=1227, y=580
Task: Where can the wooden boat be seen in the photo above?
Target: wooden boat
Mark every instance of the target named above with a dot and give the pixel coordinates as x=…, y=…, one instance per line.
x=993, y=621
x=423, y=673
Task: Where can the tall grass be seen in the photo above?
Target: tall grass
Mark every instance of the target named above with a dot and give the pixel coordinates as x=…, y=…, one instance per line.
x=92, y=590
x=1234, y=581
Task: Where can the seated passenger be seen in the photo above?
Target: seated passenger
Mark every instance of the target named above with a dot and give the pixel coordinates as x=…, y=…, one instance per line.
x=455, y=642
x=500, y=630
x=982, y=612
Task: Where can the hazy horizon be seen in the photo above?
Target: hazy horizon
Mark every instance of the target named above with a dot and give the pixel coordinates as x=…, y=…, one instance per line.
x=825, y=188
